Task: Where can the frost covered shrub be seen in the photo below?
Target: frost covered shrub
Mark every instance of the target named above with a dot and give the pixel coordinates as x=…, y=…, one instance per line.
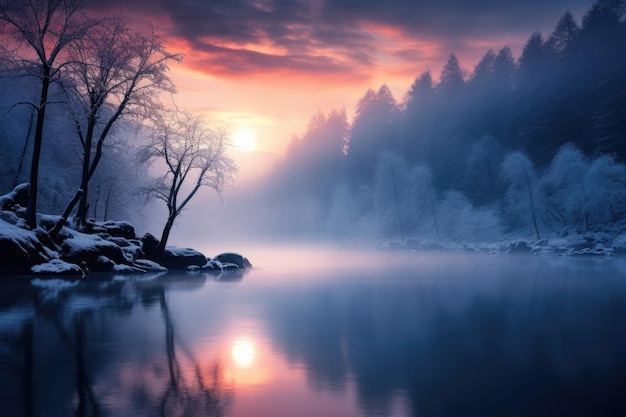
x=422, y=216
x=341, y=218
x=460, y=221
x=481, y=180
x=605, y=185
x=579, y=192
x=564, y=191
x=521, y=199
x=402, y=199
x=391, y=193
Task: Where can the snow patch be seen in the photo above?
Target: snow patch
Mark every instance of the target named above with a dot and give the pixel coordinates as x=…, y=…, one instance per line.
x=56, y=267
x=149, y=265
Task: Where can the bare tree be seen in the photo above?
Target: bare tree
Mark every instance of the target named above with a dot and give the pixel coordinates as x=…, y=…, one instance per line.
x=190, y=150
x=118, y=72
x=41, y=31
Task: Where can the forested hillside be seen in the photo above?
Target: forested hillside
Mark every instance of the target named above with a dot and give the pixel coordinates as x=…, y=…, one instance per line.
x=527, y=145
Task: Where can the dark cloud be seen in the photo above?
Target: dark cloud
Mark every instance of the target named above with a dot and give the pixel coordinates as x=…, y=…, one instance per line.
x=236, y=37
x=241, y=62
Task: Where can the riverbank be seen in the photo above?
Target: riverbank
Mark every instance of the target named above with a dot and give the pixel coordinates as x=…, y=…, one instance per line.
x=111, y=246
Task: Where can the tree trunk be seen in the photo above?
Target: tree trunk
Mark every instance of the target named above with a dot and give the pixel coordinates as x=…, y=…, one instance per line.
x=31, y=209
x=432, y=206
x=25, y=148
x=166, y=234
x=84, y=179
x=532, y=208
x=395, y=192
x=63, y=220
x=96, y=203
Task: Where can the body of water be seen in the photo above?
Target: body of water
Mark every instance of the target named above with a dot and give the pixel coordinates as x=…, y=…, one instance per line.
x=323, y=333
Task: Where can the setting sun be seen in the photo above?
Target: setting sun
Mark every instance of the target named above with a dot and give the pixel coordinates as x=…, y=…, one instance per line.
x=244, y=139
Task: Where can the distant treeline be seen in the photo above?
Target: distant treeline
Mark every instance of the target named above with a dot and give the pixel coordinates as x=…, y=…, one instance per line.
x=488, y=145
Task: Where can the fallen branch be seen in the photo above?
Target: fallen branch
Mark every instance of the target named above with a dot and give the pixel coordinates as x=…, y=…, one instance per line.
x=63, y=220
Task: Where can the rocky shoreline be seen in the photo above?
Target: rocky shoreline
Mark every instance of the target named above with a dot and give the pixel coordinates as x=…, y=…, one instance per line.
x=574, y=243
x=110, y=246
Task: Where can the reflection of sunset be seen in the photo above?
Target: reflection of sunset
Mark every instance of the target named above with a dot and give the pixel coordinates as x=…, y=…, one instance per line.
x=243, y=360
x=243, y=353
x=250, y=363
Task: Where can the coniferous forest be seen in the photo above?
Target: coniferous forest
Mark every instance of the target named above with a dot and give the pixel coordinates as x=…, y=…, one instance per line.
x=526, y=146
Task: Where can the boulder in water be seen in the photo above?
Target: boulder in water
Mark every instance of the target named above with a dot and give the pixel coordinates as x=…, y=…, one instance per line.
x=233, y=258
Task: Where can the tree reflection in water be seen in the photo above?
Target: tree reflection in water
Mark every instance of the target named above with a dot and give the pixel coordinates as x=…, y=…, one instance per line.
x=188, y=393
x=63, y=349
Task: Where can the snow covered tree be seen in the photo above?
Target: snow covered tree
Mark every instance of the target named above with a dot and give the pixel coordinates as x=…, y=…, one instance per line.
x=194, y=156
x=117, y=72
x=460, y=221
x=423, y=211
x=41, y=32
x=605, y=185
x=481, y=180
x=390, y=193
x=519, y=171
x=563, y=187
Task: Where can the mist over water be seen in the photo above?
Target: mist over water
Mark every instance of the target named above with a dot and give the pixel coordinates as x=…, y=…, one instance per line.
x=321, y=331
x=518, y=148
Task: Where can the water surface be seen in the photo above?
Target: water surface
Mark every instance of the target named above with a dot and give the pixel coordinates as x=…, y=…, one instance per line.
x=323, y=333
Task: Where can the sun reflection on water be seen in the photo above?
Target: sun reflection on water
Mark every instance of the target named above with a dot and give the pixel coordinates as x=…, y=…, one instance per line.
x=243, y=353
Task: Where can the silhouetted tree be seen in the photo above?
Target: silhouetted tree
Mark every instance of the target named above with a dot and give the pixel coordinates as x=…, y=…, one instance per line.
x=532, y=62
x=504, y=69
x=563, y=36
x=192, y=153
x=419, y=109
x=451, y=81
x=420, y=95
x=483, y=71
x=42, y=30
x=374, y=129
x=118, y=72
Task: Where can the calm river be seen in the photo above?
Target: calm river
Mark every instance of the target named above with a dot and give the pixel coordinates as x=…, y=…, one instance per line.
x=323, y=333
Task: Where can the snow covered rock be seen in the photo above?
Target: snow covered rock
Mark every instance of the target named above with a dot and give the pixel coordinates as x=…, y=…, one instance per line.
x=15, y=199
x=80, y=247
x=119, y=229
x=57, y=267
x=20, y=249
x=127, y=269
x=519, y=246
x=182, y=258
x=132, y=252
x=149, y=246
x=103, y=264
x=234, y=258
x=149, y=266
x=619, y=244
x=213, y=266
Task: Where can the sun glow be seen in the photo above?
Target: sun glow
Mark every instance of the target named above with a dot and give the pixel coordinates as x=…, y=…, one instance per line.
x=244, y=139
x=243, y=352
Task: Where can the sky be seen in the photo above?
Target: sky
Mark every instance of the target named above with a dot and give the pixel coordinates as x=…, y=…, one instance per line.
x=263, y=68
